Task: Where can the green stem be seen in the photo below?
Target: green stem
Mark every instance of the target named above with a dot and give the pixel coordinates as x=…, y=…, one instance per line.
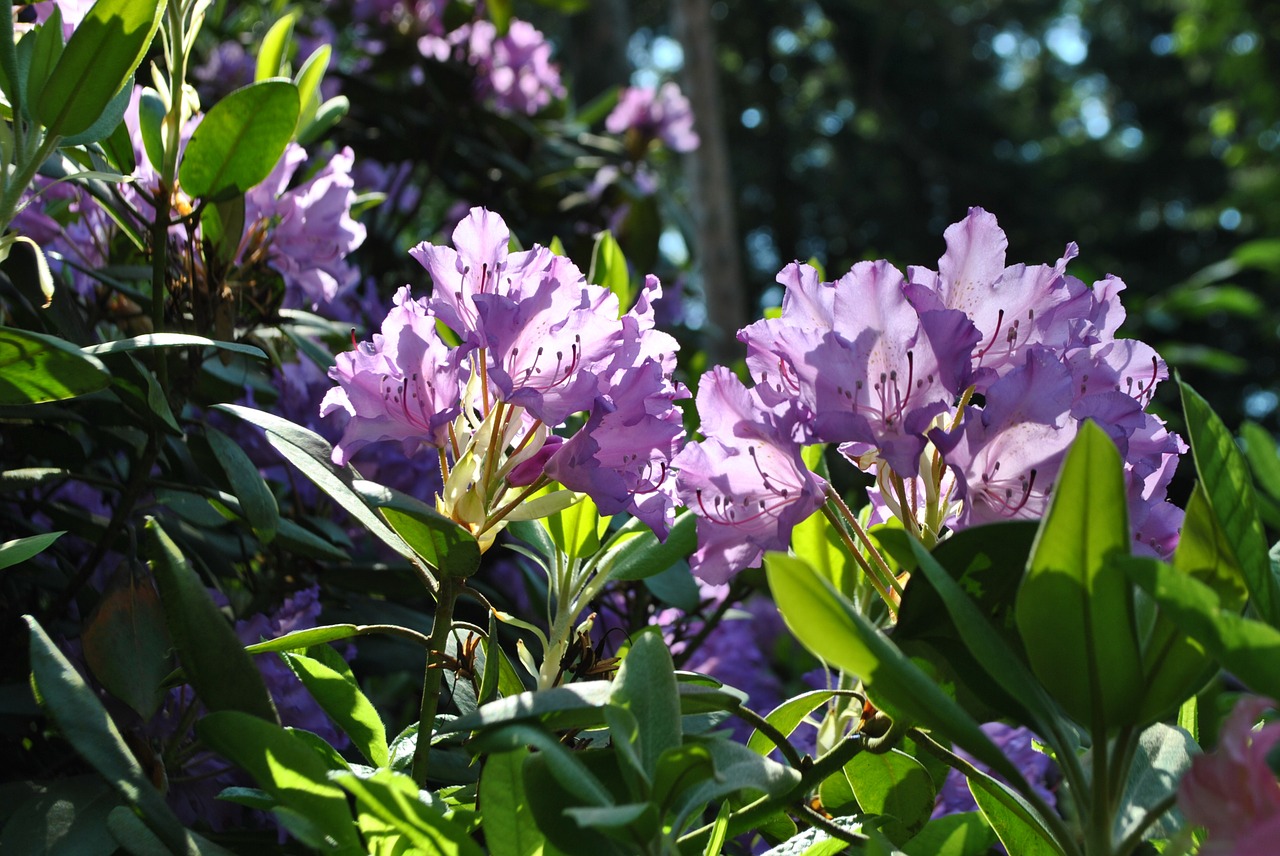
x=16, y=184
x=872, y=549
x=434, y=674
x=1098, y=835
x=768, y=729
x=857, y=556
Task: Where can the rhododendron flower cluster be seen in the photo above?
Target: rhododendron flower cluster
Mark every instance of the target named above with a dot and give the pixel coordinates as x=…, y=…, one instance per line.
x=537, y=344
x=958, y=389
x=647, y=114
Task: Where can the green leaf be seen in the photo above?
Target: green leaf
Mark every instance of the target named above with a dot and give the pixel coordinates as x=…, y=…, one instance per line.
x=35, y=368
x=440, y=542
x=128, y=830
x=1017, y=826
x=500, y=14
x=894, y=784
x=609, y=269
x=82, y=719
x=257, y=502
x=112, y=118
x=126, y=644
x=738, y=770
x=311, y=454
x=274, y=48
x=212, y=657
x=240, y=140
x=816, y=541
x=118, y=147
x=963, y=834
x=640, y=555
x=300, y=640
x=646, y=686
x=719, y=832
x=287, y=768
x=308, y=81
x=1074, y=611
x=151, y=112
x=566, y=766
x=329, y=114
x=787, y=717
x=48, y=48
x=986, y=646
x=98, y=61
x=20, y=549
x=170, y=340
x=1162, y=758
x=66, y=818
x=1224, y=475
x=576, y=530
x=828, y=625
x=345, y=704
x=394, y=799
x=509, y=828
x=1248, y=649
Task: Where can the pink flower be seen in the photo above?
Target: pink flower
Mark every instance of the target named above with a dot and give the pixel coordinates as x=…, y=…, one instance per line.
x=1232, y=791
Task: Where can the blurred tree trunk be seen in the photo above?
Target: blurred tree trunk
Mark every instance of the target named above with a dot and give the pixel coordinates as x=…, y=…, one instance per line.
x=711, y=193
x=599, y=57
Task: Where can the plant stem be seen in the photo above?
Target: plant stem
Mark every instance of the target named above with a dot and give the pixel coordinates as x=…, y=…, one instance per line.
x=433, y=675
x=854, y=552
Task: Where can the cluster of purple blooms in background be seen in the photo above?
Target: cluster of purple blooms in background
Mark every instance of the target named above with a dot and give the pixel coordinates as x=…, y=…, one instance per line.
x=538, y=344
x=960, y=389
x=647, y=114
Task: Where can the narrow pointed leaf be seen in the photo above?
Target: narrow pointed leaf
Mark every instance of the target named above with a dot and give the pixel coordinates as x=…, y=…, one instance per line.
x=345, y=704
x=257, y=502
x=21, y=549
x=1074, y=611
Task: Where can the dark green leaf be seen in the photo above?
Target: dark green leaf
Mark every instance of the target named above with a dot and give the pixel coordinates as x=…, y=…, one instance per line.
x=98, y=61
x=642, y=555
x=1074, y=611
x=21, y=549
x=964, y=834
x=212, y=657
x=48, y=48
x=132, y=834
x=35, y=368
x=345, y=704
x=126, y=644
x=646, y=686
x=240, y=140
x=257, y=502
x=84, y=722
x=111, y=119
x=892, y=783
x=67, y=818
x=151, y=112
x=439, y=541
x=566, y=766
x=118, y=147
x=1224, y=474
x=1162, y=758
x=287, y=768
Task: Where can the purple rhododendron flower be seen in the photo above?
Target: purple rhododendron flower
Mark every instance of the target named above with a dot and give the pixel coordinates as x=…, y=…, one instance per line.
x=746, y=480
x=405, y=385
x=655, y=114
x=1233, y=791
x=308, y=230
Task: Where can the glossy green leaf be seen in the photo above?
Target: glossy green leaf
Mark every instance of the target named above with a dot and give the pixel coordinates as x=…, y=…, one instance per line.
x=609, y=269
x=645, y=685
x=212, y=657
x=1224, y=475
x=287, y=768
x=240, y=140
x=566, y=766
x=963, y=834
x=170, y=340
x=308, y=80
x=346, y=705
x=98, y=61
x=439, y=541
x=126, y=643
x=112, y=118
x=21, y=549
x=257, y=502
x=509, y=828
x=273, y=51
x=576, y=530
x=642, y=555
x=85, y=723
x=828, y=625
x=738, y=770
x=1248, y=649
x=1074, y=612
x=312, y=455
x=787, y=717
x=1016, y=825
x=35, y=368
x=892, y=783
x=303, y=639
